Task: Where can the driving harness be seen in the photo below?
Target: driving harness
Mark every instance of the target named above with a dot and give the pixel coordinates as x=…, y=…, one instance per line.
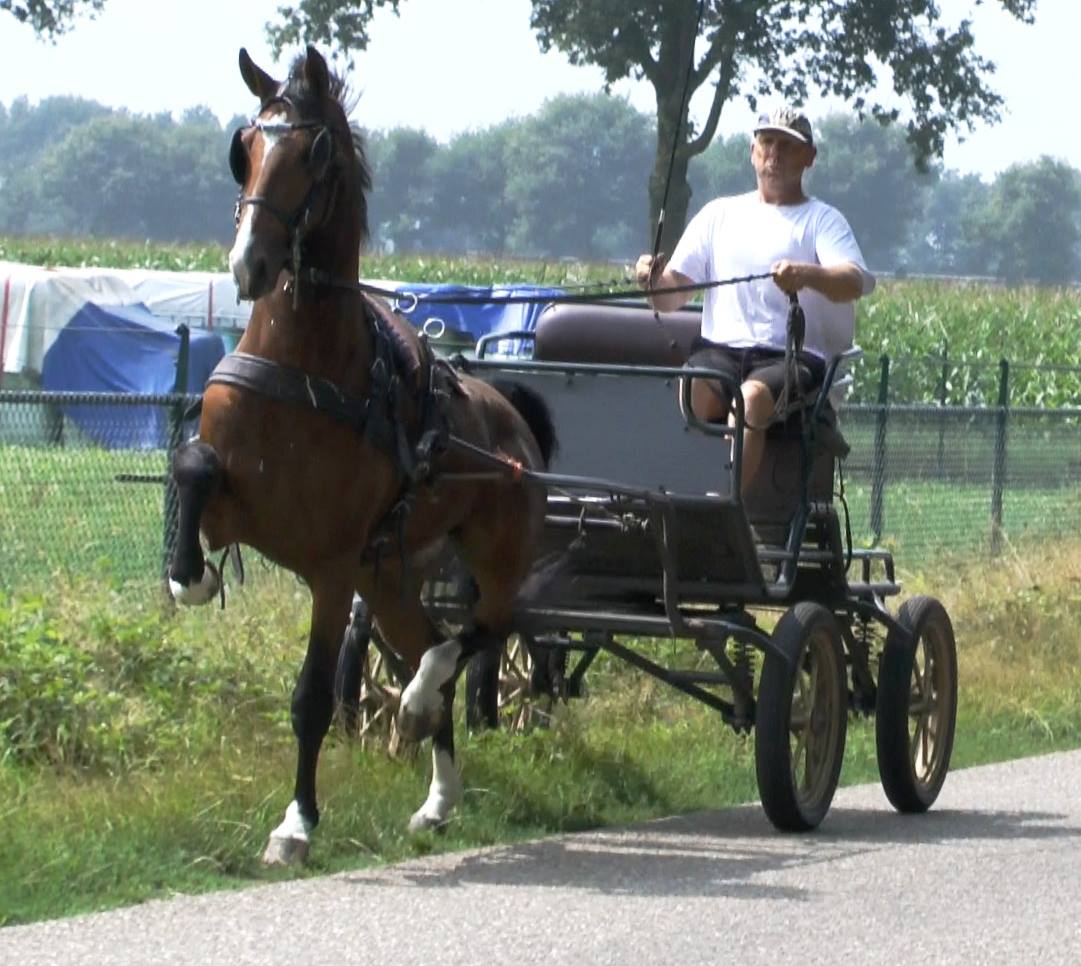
x=398, y=373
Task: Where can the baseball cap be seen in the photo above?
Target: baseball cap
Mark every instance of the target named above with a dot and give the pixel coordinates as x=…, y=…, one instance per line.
x=788, y=120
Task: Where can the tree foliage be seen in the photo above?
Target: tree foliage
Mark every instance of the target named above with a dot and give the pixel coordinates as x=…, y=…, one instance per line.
x=111, y=174
x=50, y=17
x=565, y=181
x=754, y=49
x=574, y=175
x=1030, y=222
x=866, y=170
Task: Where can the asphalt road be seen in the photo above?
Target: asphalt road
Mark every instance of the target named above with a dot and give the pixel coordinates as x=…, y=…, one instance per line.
x=991, y=875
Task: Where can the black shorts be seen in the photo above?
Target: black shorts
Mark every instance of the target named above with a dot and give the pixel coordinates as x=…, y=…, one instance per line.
x=762, y=365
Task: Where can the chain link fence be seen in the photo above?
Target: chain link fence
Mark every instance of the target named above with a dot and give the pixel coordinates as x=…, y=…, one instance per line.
x=83, y=484
x=84, y=490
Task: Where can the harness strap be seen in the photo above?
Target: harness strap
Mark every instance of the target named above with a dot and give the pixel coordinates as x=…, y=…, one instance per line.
x=289, y=385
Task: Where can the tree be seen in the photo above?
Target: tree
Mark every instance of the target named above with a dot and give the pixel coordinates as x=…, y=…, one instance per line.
x=25, y=133
x=469, y=176
x=50, y=17
x=572, y=167
x=775, y=49
x=1031, y=221
x=946, y=238
x=121, y=176
x=724, y=168
x=401, y=207
x=865, y=169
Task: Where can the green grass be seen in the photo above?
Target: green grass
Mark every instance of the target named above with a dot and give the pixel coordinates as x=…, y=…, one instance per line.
x=147, y=752
x=63, y=509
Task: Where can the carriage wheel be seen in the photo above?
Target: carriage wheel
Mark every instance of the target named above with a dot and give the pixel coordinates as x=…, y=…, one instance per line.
x=916, y=711
x=801, y=716
x=507, y=687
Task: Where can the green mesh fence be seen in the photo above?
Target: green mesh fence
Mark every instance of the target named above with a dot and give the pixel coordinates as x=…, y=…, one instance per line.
x=82, y=484
x=82, y=492
x=960, y=481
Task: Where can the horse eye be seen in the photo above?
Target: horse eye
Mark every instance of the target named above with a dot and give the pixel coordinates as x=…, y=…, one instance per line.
x=238, y=158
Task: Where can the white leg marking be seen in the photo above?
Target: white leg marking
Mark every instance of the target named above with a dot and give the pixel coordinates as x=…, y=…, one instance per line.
x=293, y=826
x=422, y=697
x=444, y=793
x=195, y=595
x=289, y=842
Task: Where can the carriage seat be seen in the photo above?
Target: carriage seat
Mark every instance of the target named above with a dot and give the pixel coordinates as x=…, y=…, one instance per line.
x=615, y=334
x=632, y=334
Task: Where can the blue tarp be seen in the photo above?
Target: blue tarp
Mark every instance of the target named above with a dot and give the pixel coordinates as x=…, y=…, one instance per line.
x=124, y=349
x=473, y=315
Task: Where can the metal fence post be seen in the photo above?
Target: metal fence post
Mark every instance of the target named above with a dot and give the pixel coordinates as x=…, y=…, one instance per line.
x=998, y=473
x=176, y=429
x=942, y=396
x=878, y=467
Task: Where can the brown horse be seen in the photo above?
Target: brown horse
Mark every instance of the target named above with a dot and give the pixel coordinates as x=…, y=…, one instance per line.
x=331, y=440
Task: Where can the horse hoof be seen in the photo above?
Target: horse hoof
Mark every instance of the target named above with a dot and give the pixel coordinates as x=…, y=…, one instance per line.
x=195, y=595
x=424, y=821
x=281, y=851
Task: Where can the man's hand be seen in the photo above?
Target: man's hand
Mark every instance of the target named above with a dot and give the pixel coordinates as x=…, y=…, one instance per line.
x=789, y=276
x=839, y=283
x=647, y=268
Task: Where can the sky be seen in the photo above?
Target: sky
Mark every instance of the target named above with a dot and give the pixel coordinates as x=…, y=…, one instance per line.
x=453, y=65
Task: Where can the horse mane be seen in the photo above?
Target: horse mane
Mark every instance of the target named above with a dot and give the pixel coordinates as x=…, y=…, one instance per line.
x=309, y=103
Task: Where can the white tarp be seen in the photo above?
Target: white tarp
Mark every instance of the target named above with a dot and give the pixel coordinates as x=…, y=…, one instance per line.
x=36, y=303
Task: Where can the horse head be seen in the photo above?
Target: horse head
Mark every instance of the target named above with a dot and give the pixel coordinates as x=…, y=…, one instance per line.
x=302, y=176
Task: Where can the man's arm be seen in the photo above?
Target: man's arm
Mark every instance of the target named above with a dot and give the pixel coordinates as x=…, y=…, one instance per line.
x=839, y=283
x=665, y=278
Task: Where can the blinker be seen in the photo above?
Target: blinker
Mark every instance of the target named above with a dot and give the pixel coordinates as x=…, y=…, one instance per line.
x=238, y=157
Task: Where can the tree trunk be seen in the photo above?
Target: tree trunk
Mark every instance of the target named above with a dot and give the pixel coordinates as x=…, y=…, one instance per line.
x=679, y=200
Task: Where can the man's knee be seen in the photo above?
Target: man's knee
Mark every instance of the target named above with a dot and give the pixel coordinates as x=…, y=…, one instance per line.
x=708, y=403
x=758, y=404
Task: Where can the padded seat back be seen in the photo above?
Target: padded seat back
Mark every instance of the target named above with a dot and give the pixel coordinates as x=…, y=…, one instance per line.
x=617, y=334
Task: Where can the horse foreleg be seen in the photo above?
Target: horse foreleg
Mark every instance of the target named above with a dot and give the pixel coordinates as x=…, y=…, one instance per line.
x=196, y=471
x=312, y=711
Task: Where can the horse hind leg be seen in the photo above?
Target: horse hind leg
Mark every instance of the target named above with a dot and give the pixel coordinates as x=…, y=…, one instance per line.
x=445, y=790
x=197, y=472
x=428, y=702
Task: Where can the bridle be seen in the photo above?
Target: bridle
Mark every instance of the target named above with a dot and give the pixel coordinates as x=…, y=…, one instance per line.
x=321, y=156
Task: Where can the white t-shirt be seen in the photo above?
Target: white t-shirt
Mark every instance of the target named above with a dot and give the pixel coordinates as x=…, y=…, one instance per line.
x=743, y=235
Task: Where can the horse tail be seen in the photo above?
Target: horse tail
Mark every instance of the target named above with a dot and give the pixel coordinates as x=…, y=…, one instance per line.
x=532, y=407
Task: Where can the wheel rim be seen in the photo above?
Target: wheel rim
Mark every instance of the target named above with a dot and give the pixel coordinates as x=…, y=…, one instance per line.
x=928, y=700
x=517, y=704
x=380, y=696
x=814, y=721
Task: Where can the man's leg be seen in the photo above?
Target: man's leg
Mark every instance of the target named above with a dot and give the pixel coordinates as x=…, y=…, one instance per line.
x=708, y=402
x=758, y=406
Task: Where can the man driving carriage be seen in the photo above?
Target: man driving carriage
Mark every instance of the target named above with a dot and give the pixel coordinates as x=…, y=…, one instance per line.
x=809, y=248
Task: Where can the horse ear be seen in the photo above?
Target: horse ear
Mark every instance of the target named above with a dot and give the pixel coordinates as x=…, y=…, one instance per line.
x=316, y=72
x=259, y=82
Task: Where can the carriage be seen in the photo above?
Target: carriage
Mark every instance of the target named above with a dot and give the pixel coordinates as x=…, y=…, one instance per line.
x=332, y=433
x=646, y=513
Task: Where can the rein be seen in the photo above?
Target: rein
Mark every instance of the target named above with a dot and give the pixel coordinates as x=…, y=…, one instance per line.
x=319, y=278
